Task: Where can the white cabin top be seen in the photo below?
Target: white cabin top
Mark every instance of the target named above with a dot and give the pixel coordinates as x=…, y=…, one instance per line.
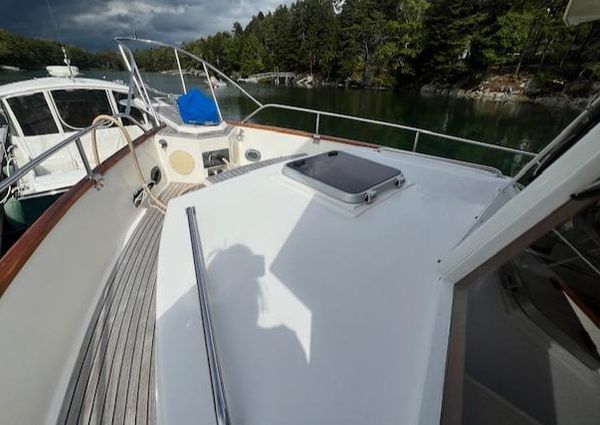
x=57, y=83
x=324, y=312
x=580, y=11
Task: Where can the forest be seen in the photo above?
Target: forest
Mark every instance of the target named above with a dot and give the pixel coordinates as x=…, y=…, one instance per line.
x=33, y=53
x=378, y=43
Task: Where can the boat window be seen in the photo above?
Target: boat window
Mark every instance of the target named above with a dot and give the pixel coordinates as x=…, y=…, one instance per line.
x=135, y=113
x=33, y=114
x=532, y=329
x=78, y=108
x=556, y=283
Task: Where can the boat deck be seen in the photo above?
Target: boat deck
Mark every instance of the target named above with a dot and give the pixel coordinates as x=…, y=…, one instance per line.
x=323, y=311
x=113, y=380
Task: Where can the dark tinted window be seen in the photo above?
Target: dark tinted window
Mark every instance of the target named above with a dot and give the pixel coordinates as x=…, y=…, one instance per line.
x=33, y=114
x=346, y=172
x=564, y=264
x=135, y=113
x=78, y=108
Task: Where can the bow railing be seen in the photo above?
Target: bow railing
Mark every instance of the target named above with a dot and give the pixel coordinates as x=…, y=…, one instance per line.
x=137, y=82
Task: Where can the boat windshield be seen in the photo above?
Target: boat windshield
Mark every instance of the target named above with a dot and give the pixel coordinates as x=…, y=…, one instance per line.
x=78, y=108
x=33, y=114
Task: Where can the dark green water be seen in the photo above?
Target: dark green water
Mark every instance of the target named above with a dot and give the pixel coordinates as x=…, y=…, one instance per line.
x=524, y=126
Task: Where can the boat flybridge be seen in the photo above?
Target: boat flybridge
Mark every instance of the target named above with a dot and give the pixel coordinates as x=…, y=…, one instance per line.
x=239, y=273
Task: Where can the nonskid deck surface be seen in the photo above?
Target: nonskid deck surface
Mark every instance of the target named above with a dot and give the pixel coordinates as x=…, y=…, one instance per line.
x=244, y=169
x=113, y=379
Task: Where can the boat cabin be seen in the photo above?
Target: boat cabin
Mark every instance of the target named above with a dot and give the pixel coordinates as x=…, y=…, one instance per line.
x=42, y=112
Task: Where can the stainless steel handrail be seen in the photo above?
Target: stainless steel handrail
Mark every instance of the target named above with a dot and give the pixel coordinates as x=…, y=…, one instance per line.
x=74, y=138
x=214, y=366
x=418, y=131
x=137, y=80
x=131, y=65
x=583, y=119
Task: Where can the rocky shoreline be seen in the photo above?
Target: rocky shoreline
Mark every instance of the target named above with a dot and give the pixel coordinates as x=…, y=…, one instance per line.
x=521, y=89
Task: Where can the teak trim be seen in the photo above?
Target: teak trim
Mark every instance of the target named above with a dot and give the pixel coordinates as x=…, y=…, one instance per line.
x=16, y=257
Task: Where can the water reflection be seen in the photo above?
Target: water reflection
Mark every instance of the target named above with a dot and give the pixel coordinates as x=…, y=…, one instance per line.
x=520, y=125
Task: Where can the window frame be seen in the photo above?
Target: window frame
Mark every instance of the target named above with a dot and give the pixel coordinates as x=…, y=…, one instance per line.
x=66, y=127
x=17, y=123
x=8, y=116
x=452, y=395
x=113, y=93
x=561, y=191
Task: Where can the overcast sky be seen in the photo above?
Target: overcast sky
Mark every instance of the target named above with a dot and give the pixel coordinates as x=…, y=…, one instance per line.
x=93, y=23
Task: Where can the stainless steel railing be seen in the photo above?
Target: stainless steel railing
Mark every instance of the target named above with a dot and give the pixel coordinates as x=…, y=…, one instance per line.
x=137, y=81
x=75, y=138
x=418, y=131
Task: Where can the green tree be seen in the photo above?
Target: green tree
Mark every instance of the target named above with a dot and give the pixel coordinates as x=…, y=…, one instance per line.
x=403, y=39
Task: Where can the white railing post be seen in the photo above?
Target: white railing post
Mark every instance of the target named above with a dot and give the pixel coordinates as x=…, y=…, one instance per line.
x=180, y=71
x=317, y=123
x=416, y=142
x=212, y=90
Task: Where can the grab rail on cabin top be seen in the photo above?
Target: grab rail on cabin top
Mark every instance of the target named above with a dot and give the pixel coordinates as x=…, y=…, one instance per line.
x=74, y=138
x=137, y=81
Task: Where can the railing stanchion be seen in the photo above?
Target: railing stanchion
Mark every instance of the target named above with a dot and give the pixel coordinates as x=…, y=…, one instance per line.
x=180, y=71
x=416, y=143
x=74, y=138
x=122, y=42
x=129, y=68
x=318, y=119
x=86, y=163
x=212, y=90
x=387, y=124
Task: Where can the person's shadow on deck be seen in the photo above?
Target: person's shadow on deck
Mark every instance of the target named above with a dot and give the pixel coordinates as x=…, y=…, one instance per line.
x=264, y=369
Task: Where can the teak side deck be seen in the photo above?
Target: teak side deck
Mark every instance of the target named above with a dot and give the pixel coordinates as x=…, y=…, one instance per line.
x=113, y=379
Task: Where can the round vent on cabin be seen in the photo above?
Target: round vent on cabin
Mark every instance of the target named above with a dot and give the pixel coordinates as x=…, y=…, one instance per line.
x=182, y=162
x=252, y=155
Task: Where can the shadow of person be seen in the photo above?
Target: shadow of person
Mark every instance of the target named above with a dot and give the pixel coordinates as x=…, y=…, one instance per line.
x=264, y=369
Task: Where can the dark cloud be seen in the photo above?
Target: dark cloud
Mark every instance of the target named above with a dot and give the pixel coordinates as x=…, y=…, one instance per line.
x=93, y=23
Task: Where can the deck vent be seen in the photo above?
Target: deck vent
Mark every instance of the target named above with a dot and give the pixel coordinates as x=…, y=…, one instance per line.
x=343, y=176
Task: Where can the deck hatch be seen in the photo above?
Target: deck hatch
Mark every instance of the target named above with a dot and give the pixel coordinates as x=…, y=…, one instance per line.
x=346, y=177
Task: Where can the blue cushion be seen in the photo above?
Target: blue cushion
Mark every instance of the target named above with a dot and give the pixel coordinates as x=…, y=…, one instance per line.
x=196, y=108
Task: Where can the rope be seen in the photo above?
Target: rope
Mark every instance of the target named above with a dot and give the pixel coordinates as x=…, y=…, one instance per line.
x=156, y=203
x=9, y=160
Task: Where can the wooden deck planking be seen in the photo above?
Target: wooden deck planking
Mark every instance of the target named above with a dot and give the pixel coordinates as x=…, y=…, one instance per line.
x=113, y=380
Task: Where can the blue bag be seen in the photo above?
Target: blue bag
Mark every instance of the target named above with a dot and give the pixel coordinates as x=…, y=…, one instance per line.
x=196, y=108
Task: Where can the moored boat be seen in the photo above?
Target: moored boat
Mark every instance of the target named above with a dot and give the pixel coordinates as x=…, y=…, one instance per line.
x=244, y=273
x=41, y=112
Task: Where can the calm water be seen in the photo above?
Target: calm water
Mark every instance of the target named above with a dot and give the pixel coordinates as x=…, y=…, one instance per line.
x=525, y=126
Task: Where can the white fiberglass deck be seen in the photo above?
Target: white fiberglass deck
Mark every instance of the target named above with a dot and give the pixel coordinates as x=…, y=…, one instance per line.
x=323, y=312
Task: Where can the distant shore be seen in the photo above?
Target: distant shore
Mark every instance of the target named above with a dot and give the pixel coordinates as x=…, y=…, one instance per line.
x=502, y=88
x=516, y=89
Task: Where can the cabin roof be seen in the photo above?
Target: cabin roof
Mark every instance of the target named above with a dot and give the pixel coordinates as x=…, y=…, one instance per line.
x=53, y=83
x=323, y=312
x=580, y=11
